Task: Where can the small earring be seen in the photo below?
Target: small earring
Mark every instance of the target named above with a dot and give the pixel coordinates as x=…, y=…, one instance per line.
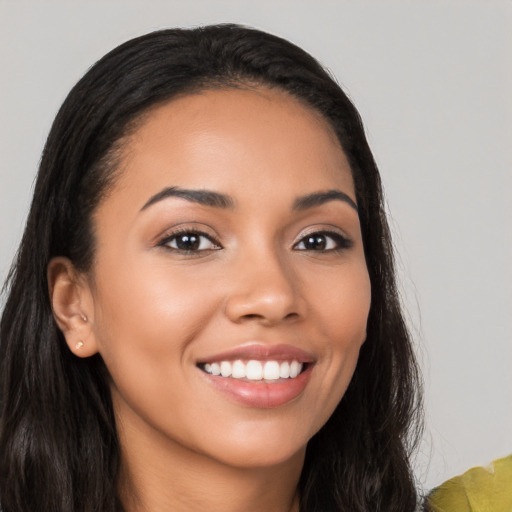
x=79, y=345
x=83, y=317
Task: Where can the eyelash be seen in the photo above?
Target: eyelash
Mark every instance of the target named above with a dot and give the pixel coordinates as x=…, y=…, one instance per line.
x=189, y=232
x=340, y=241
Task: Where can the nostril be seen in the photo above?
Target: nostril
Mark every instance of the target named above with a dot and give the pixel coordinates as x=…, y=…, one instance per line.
x=266, y=319
x=252, y=316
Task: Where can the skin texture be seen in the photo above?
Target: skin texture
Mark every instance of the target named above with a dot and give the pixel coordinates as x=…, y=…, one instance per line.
x=153, y=312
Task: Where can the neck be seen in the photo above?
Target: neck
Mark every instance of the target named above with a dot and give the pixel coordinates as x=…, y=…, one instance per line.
x=160, y=475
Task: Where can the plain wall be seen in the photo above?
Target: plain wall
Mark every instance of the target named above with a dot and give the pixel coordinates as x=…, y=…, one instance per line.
x=433, y=83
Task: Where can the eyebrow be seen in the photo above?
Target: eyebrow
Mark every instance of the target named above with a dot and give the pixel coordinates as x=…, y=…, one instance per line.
x=319, y=198
x=203, y=197
x=218, y=200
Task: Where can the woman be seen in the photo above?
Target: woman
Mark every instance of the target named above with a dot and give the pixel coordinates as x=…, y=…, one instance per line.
x=203, y=311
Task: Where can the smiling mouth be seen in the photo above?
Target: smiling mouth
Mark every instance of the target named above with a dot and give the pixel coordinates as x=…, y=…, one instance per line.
x=259, y=375
x=254, y=370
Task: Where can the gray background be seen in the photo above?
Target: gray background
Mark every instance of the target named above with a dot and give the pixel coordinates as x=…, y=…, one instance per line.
x=433, y=82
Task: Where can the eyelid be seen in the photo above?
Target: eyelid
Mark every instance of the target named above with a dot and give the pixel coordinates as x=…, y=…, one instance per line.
x=185, y=226
x=339, y=237
x=171, y=234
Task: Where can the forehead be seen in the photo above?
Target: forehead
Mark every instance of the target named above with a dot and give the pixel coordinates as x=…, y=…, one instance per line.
x=257, y=139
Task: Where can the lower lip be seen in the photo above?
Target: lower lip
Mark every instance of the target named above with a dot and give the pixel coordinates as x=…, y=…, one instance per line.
x=261, y=394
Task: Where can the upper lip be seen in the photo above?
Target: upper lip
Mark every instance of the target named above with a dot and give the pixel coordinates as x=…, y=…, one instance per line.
x=261, y=352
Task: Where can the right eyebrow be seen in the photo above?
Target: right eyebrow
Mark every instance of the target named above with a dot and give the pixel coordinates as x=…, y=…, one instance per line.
x=319, y=198
x=203, y=197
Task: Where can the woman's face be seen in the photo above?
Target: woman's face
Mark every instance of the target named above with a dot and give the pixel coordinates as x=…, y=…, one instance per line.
x=230, y=242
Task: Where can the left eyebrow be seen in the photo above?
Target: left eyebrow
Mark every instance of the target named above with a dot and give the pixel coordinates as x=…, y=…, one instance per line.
x=319, y=198
x=203, y=197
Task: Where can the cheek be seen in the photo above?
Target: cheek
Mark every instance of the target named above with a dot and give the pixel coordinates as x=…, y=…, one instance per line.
x=349, y=323
x=145, y=322
x=342, y=306
x=342, y=313
x=150, y=313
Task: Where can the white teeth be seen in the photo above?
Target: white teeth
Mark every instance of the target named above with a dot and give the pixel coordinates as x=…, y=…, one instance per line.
x=271, y=370
x=284, y=370
x=238, y=371
x=295, y=369
x=225, y=369
x=255, y=370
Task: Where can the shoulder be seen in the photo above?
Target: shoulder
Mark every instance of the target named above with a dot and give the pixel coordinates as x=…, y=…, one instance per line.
x=481, y=489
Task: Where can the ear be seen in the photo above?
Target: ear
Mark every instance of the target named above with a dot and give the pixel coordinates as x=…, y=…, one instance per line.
x=72, y=306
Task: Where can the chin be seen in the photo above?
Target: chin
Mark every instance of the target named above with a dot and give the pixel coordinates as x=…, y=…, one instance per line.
x=262, y=457
x=259, y=447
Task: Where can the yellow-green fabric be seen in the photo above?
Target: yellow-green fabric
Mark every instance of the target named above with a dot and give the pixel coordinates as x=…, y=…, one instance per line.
x=480, y=489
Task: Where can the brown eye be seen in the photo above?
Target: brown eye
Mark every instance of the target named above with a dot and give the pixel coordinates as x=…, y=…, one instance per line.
x=315, y=243
x=189, y=241
x=323, y=241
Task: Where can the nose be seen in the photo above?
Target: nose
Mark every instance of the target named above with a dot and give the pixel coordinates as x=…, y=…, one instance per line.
x=265, y=290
